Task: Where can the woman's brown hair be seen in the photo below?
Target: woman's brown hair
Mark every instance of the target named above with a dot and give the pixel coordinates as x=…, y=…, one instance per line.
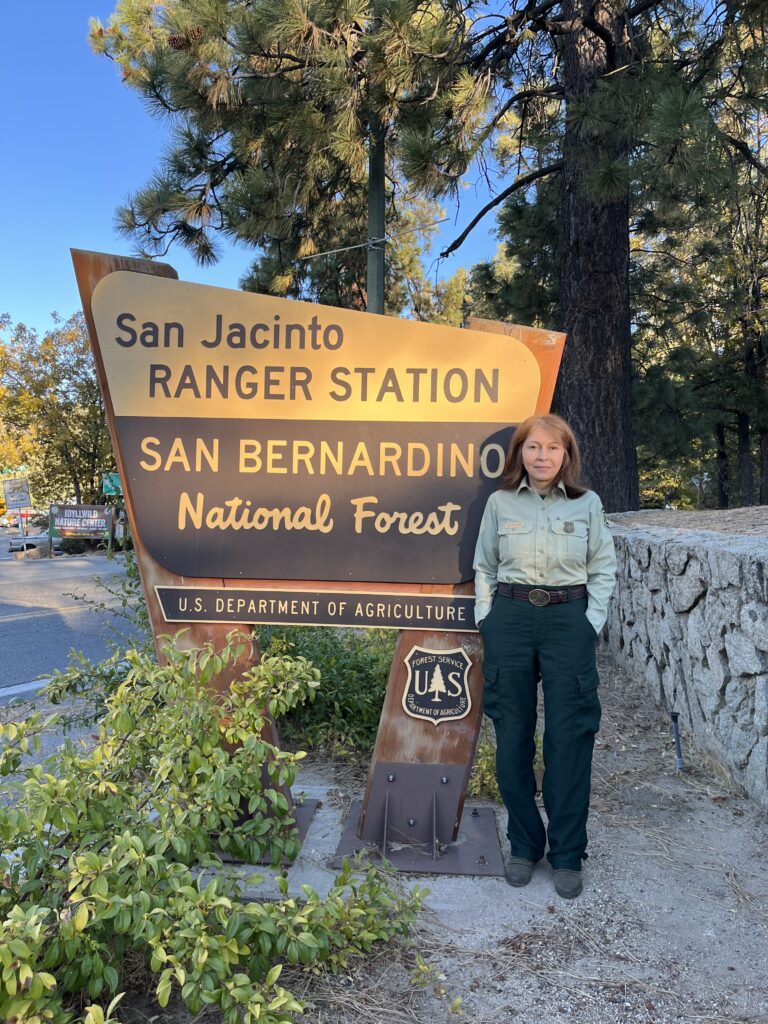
x=570, y=471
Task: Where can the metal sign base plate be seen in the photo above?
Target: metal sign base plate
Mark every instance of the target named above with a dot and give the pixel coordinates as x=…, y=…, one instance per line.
x=476, y=851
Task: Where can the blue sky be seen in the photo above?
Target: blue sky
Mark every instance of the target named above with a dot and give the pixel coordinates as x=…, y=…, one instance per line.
x=76, y=143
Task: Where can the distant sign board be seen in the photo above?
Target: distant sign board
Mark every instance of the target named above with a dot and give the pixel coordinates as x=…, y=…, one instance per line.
x=111, y=484
x=16, y=492
x=90, y=522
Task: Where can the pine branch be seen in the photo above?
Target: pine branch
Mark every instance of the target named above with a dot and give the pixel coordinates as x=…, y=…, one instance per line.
x=668, y=255
x=551, y=92
x=513, y=23
x=516, y=185
x=641, y=8
x=559, y=27
x=606, y=35
x=746, y=152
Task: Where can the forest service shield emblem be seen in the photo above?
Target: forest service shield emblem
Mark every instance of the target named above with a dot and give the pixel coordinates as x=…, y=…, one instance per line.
x=437, y=687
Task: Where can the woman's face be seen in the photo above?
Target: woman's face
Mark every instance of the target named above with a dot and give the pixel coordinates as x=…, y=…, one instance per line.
x=543, y=455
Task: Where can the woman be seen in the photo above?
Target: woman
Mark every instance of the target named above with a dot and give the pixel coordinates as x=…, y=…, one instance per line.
x=545, y=567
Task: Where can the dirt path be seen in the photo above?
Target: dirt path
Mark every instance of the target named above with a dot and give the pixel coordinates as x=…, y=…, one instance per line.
x=672, y=924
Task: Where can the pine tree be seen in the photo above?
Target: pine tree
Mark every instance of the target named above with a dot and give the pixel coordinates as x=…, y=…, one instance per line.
x=642, y=132
x=272, y=104
x=275, y=101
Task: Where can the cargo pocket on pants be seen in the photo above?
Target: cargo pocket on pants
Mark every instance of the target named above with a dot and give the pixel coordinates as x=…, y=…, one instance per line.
x=586, y=718
x=491, y=691
x=587, y=681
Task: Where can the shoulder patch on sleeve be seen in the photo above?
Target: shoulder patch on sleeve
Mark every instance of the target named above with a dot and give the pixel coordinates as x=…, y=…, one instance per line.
x=605, y=517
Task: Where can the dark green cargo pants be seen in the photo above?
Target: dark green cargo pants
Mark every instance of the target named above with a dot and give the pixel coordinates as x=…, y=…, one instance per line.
x=557, y=644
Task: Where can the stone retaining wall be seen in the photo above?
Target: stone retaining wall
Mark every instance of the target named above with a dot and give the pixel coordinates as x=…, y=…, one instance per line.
x=689, y=617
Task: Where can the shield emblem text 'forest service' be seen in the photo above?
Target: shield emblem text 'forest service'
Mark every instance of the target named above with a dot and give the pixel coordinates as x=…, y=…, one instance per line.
x=437, y=687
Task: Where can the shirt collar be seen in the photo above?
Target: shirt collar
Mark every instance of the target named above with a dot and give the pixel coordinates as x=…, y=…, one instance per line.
x=525, y=485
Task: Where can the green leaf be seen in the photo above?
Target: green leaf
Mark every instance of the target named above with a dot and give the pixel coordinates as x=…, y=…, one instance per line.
x=164, y=993
x=272, y=975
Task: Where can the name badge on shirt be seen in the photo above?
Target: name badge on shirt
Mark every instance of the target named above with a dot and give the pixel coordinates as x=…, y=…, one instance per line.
x=513, y=526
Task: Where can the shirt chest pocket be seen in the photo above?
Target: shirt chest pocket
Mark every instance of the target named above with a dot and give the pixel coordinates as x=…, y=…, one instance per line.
x=569, y=538
x=515, y=541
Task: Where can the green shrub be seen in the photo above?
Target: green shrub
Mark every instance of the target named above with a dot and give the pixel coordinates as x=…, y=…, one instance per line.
x=343, y=718
x=355, y=667
x=482, y=779
x=76, y=546
x=114, y=849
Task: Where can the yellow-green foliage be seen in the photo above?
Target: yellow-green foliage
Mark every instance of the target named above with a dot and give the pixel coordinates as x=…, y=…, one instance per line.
x=101, y=853
x=482, y=780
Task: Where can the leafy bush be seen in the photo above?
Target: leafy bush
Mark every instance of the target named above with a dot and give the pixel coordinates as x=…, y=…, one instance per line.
x=114, y=850
x=482, y=778
x=77, y=546
x=343, y=718
x=355, y=667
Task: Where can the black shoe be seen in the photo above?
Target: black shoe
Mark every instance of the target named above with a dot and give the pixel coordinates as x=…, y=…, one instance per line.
x=518, y=871
x=568, y=883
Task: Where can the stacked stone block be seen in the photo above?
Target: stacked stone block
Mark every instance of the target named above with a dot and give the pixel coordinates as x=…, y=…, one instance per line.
x=689, y=618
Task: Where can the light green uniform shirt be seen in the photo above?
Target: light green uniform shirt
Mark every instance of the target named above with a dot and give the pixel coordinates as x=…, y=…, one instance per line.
x=554, y=541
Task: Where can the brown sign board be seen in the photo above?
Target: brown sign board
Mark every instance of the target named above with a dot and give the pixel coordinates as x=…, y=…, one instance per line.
x=266, y=439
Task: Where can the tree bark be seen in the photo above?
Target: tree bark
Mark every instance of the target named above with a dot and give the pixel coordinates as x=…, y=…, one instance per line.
x=763, y=439
x=755, y=367
x=594, y=388
x=746, y=478
x=723, y=476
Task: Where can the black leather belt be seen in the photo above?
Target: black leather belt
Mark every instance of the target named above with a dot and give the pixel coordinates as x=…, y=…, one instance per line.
x=538, y=596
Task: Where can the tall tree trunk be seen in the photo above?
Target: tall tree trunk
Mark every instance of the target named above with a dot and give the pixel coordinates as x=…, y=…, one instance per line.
x=746, y=478
x=595, y=378
x=755, y=360
x=763, y=441
x=723, y=475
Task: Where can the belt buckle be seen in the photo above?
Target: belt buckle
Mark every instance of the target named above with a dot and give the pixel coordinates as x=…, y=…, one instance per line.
x=538, y=598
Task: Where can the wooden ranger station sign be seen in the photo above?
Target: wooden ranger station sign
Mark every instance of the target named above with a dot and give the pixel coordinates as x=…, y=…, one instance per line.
x=290, y=463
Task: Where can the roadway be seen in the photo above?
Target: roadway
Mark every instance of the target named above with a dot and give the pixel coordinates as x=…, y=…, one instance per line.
x=45, y=612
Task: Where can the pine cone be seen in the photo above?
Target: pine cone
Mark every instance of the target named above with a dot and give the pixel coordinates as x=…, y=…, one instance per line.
x=178, y=42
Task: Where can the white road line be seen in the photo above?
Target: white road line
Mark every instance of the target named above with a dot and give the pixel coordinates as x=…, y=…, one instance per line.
x=42, y=613
x=56, y=609
x=22, y=690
